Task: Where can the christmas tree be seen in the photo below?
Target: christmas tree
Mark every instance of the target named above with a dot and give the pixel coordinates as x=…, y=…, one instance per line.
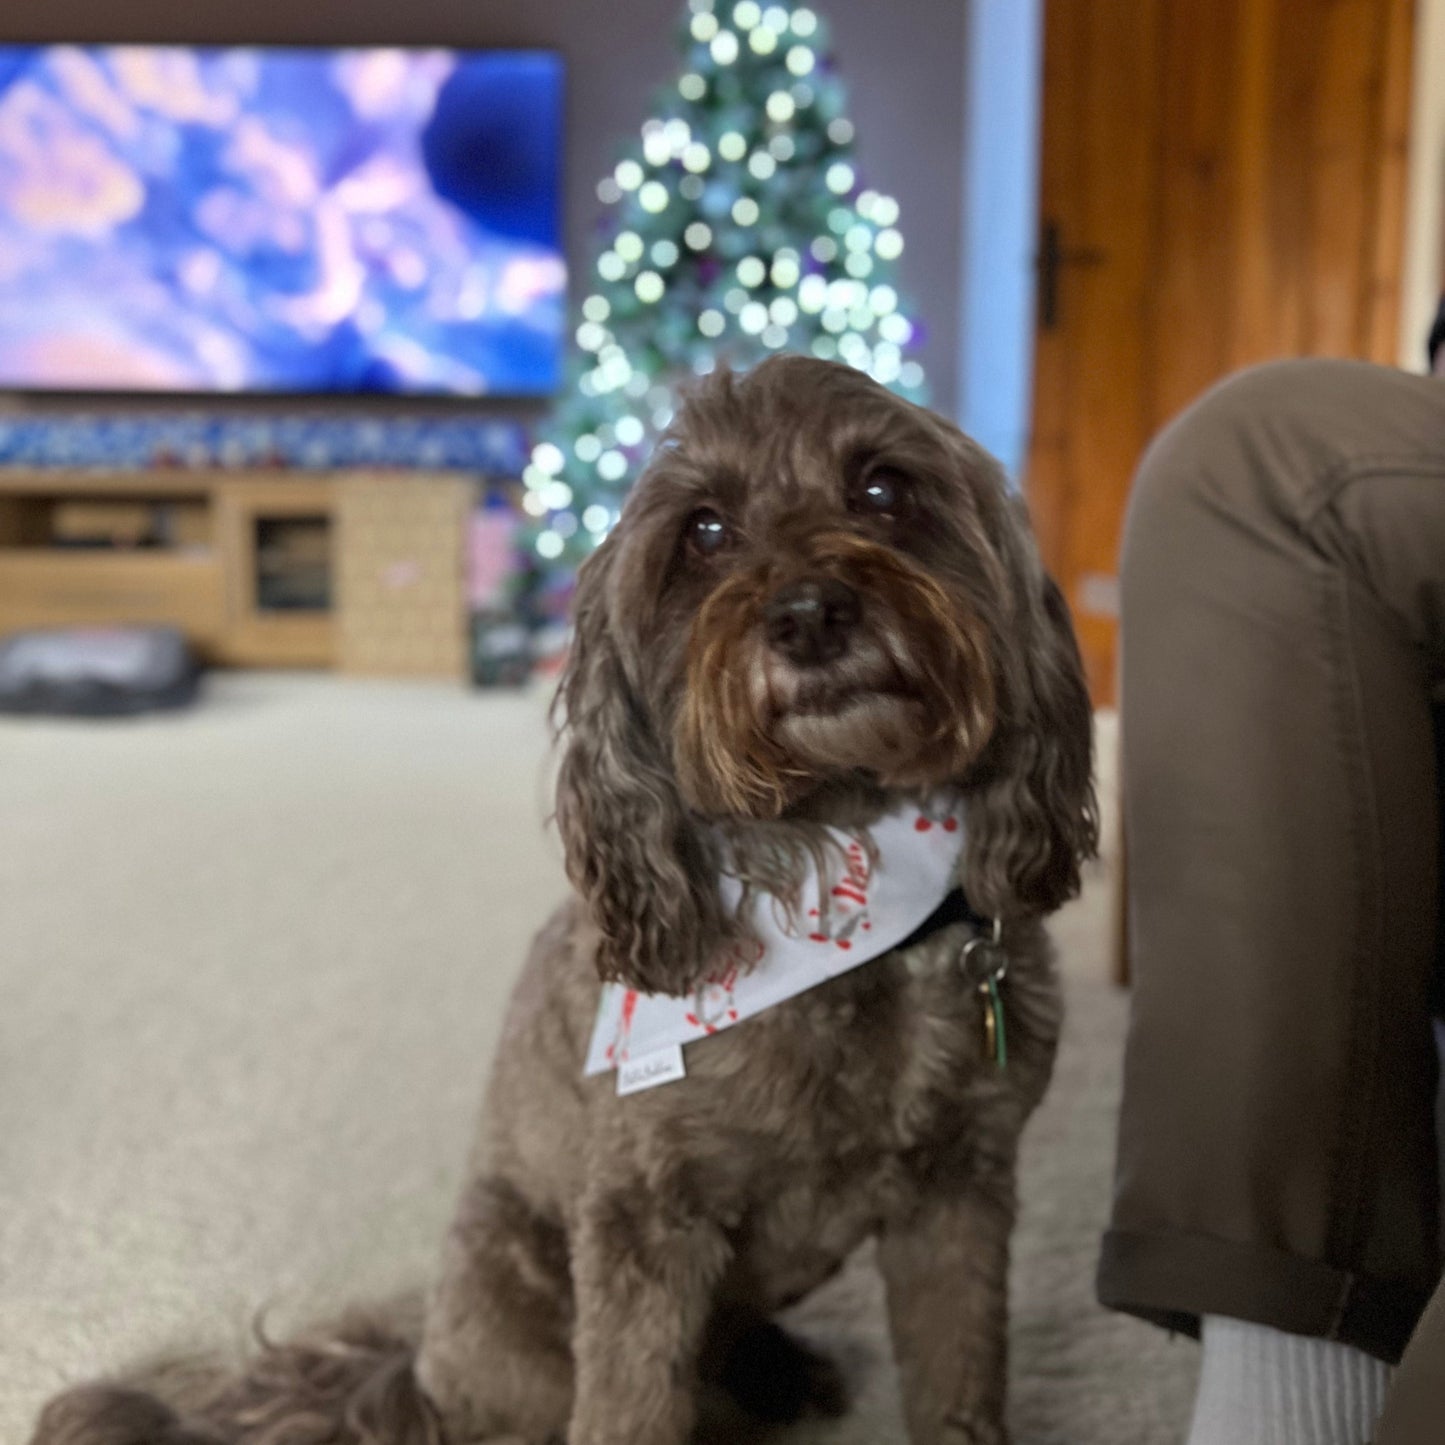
x=736, y=228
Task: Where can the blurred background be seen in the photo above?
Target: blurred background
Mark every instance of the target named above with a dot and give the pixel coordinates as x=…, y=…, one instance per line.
x=331, y=338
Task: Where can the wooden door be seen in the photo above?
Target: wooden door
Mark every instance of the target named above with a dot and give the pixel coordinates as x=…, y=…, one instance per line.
x=1222, y=182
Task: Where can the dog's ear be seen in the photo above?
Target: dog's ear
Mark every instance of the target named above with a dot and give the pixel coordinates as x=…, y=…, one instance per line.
x=645, y=866
x=1033, y=817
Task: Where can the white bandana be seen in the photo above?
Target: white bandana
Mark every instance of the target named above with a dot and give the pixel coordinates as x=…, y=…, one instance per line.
x=870, y=906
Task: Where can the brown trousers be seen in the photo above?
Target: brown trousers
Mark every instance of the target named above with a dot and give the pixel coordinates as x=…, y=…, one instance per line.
x=1283, y=658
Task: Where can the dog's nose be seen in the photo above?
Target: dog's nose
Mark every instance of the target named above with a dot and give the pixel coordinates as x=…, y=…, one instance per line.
x=809, y=621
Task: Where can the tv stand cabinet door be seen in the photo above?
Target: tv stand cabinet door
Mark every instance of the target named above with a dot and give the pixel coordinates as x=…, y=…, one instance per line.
x=401, y=575
x=255, y=635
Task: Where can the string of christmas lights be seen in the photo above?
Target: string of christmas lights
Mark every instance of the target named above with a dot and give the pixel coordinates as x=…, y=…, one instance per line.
x=736, y=228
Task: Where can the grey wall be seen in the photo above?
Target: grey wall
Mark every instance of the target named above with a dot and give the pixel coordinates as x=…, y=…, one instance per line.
x=903, y=61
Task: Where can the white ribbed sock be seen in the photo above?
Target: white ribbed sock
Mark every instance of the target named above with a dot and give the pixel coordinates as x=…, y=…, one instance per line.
x=1260, y=1386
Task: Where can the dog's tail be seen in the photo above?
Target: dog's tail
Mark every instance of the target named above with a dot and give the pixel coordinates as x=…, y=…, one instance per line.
x=350, y=1384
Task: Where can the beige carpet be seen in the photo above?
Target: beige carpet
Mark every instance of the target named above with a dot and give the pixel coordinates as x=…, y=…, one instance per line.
x=253, y=964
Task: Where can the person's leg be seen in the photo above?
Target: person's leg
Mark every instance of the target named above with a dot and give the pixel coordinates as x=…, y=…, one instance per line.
x=1415, y=1413
x=1283, y=622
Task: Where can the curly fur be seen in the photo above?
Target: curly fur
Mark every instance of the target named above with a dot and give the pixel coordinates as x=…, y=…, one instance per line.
x=354, y=1382
x=612, y=1261
x=634, y=851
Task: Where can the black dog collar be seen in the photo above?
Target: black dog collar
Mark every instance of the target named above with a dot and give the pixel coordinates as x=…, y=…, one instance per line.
x=955, y=908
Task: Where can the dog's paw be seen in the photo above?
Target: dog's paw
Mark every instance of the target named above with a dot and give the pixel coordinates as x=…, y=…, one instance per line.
x=971, y=1429
x=778, y=1379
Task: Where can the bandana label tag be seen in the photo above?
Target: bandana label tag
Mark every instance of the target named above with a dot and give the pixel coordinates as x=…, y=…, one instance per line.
x=664, y=1066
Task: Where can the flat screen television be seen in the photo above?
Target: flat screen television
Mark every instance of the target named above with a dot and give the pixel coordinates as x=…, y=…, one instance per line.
x=280, y=220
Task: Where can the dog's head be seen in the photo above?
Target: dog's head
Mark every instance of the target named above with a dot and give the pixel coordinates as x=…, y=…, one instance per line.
x=813, y=582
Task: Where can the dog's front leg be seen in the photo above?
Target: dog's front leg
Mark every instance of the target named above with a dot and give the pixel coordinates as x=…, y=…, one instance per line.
x=645, y=1280
x=945, y=1266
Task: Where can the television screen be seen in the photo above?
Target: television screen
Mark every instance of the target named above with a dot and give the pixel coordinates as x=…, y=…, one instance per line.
x=280, y=220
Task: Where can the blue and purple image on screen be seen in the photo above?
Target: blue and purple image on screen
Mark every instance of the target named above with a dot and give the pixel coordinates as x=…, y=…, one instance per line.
x=279, y=220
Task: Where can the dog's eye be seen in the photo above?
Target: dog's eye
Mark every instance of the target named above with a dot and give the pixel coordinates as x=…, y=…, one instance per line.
x=706, y=532
x=882, y=492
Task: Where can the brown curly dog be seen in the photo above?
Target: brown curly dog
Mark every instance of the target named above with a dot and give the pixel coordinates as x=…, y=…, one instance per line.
x=820, y=601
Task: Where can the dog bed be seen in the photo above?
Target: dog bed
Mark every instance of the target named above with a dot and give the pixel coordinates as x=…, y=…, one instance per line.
x=97, y=672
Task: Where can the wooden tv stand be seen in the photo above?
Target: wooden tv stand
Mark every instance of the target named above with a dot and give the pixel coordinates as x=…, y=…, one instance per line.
x=361, y=571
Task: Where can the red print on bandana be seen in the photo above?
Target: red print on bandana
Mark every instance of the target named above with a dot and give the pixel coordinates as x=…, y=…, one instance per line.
x=617, y=1049
x=843, y=910
x=935, y=814
x=714, y=1005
